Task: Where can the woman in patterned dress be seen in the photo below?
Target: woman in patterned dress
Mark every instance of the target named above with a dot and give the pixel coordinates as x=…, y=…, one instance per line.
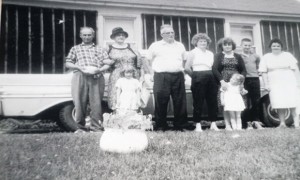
x=122, y=55
x=227, y=63
x=279, y=70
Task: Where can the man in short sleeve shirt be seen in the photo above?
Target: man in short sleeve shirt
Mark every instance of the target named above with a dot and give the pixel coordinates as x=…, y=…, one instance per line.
x=167, y=57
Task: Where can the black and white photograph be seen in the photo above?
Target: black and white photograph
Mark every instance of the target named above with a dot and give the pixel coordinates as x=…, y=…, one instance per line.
x=154, y=90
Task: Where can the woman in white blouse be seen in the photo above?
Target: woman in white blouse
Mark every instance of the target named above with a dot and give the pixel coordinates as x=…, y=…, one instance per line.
x=204, y=85
x=278, y=70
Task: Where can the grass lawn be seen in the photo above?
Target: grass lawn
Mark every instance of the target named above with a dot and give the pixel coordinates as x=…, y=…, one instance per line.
x=252, y=154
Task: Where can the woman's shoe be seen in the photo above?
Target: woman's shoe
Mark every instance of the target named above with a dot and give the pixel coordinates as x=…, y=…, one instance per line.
x=282, y=126
x=228, y=128
x=198, y=127
x=214, y=127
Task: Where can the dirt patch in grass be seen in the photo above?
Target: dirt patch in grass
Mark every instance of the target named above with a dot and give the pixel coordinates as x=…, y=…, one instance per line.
x=10, y=125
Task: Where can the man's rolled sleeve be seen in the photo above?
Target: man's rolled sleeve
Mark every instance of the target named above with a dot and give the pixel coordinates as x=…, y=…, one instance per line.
x=103, y=58
x=104, y=55
x=71, y=56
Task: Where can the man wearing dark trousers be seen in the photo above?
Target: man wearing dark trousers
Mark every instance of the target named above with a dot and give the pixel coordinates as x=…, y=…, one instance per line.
x=167, y=57
x=252, y=84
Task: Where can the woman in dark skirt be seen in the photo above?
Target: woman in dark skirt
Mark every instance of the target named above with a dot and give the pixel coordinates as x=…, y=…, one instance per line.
x=225, y=64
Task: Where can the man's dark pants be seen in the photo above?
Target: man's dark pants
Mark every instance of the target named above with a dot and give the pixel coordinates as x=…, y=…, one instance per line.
x=165, y=85
x=252, y=85
x=87, y=88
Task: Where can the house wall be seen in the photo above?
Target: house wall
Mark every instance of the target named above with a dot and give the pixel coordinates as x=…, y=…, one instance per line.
x=130, y=18
x=133, y=14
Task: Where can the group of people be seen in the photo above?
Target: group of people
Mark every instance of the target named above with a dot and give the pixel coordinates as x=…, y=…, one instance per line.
x=227, y=81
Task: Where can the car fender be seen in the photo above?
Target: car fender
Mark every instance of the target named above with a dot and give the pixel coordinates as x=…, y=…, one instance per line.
x=31, y=94
x=17, y=106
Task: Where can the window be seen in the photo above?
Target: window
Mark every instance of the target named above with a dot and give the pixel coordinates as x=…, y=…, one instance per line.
x=240, y=31
x=184, y=27
x=127, y=23
x=36, y=40
x=287, y=32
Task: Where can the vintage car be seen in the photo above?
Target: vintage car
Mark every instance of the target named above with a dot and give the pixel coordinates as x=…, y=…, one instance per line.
x=49, y=96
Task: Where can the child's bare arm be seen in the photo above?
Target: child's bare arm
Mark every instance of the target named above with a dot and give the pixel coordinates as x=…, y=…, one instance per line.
x=243, y=90
x=138, y=93
x=119, y=91
x=222, y=98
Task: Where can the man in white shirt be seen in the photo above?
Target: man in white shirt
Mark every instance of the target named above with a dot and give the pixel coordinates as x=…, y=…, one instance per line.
x=167, y=57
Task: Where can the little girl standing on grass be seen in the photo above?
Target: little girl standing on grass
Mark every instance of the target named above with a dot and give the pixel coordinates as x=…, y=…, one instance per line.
x=128, y=91
x=233, y=102
x=128, y=114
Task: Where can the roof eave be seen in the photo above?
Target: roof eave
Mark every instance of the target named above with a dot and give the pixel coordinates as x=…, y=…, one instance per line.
x=94, y=3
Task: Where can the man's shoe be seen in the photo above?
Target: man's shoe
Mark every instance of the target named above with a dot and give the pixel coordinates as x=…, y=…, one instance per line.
x=162, y=128
x=178, y=129
x=79, y=131
x=100, y=129
x=257, y=125
x=249, y=126
x=187, y=126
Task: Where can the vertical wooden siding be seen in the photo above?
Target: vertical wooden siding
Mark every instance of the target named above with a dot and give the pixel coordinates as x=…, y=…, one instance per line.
x=36, y=40
x=184, y=27
x=287, y=32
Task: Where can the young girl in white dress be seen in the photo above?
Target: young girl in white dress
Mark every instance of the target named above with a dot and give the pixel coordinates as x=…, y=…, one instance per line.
x=128, y=114
x=128, y=91
x=233, y=102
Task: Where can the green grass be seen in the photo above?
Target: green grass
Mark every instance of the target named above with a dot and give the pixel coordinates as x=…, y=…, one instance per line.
x=253, y=154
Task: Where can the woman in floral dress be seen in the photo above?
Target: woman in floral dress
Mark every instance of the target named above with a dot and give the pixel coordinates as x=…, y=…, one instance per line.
x=122, y=55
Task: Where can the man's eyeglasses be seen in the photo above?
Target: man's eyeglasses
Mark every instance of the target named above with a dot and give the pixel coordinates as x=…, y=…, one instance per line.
x=168, y=33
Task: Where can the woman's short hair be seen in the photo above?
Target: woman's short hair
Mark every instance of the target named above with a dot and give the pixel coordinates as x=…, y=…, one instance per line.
x=226, y=40
x=128, y=68
x=199, y=36
x=276, y=40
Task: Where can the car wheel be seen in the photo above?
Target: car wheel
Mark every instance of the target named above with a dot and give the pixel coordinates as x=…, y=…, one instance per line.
x=67, y=117
x=270, y=116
